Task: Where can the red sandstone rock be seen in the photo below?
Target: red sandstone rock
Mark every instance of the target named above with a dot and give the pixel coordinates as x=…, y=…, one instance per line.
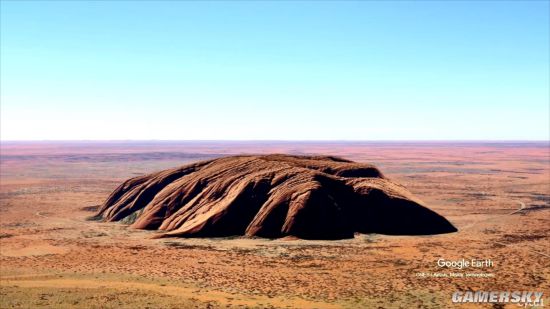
x=271, y=196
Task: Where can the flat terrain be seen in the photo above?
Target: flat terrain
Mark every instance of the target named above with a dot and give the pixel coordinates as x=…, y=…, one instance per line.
x=51, y=256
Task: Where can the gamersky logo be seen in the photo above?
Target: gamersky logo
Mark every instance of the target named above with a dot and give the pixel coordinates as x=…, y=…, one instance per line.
x=524, y=298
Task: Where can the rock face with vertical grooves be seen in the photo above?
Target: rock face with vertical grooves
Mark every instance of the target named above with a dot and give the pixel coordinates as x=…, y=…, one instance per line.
x=309, y=197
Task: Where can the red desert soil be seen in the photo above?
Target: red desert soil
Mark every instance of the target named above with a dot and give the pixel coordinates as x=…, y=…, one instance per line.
x=496, y=194
x=310, y=197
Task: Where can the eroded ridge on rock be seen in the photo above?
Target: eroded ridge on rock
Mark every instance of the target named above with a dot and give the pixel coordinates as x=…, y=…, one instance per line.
x=310, y=197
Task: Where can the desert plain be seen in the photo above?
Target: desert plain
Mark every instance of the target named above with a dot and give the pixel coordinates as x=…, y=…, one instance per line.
x=497, y=194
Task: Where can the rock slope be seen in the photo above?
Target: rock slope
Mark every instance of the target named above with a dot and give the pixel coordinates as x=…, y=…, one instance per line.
x=310, y=197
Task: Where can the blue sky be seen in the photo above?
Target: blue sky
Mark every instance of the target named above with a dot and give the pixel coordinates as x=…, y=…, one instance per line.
x=433, y=70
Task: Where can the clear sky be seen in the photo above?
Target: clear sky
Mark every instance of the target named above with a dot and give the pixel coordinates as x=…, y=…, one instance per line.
x=275, y=70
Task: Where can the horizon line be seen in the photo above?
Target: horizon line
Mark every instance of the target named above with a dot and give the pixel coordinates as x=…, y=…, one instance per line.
x=276, y=140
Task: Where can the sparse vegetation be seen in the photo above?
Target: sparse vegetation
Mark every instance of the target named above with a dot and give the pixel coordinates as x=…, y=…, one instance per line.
x=52, y=257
